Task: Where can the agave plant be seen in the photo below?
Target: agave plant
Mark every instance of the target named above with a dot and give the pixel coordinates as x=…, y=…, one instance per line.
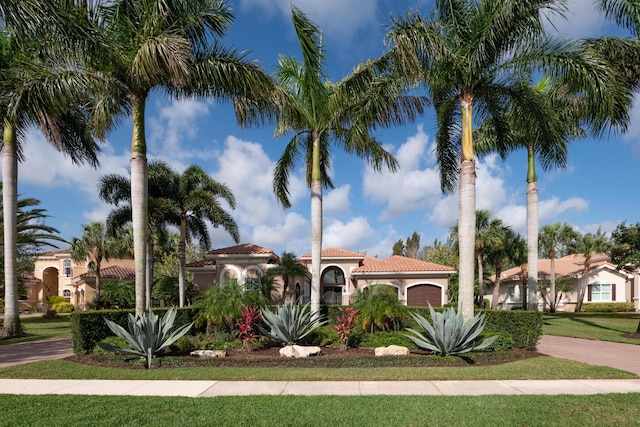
x=290, y=323
x=449, y=334
x=147, y=334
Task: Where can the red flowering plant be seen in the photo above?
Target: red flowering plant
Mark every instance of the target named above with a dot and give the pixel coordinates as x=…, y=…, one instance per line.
x=248, y=326
x=346, y=323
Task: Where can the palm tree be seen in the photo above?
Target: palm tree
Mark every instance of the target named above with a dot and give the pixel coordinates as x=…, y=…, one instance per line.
x=96, y=245
x=470, y=56
x=319, y=112
x=502, y=251
x=116, y=190
x=588, y=245
x=43, y=91
x=288, y=268
x=551, y=237
x=194, y=197
x=146, y=45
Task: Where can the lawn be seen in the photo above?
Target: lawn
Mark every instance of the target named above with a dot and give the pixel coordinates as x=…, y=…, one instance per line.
x=563, y=410
x=40, y=328
x=595, y=326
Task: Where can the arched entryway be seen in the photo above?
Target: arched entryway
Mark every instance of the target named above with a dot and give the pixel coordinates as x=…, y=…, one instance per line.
x=49, y=283
x=424, y=294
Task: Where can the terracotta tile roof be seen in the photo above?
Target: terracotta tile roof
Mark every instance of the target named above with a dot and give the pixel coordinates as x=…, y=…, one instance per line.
x=337, y=253
x=202, y=263
x=400, y=264
x=244, y=249
x=113, y=272
x=570, y=265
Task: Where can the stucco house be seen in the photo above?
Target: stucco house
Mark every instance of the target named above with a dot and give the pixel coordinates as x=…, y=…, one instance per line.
x=605, y=283
x=55, y=273
x=343, y=273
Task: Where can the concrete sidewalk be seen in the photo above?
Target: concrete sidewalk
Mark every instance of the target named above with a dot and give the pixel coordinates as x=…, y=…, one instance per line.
x=314, y=388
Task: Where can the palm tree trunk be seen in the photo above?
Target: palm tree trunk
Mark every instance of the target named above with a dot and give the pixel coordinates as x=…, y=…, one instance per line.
x=583, y=283
x=182, y=260
x=11, y=326
x=496, y=287
x=139, y=200
x=552, y=280
x=480, y=279
x=466, y=213
x=149, y=272
x=532, y=245
x=97, y=256
x=316, y=227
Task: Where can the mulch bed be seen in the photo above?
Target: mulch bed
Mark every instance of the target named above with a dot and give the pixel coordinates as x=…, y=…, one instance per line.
x=331, y=357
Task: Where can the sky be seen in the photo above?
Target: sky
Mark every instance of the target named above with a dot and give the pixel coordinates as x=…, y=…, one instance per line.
x=367, y=211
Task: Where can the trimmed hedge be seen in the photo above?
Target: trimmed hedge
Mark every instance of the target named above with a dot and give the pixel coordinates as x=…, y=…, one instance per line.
x=607, y=307
x=89, y=328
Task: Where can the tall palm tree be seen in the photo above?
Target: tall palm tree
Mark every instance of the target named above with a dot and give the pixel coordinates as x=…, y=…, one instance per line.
x=289, y=268
x=96, y=244
x=470, y=56
x=194, y=196
x=551, y=237
x=319, y=112
x=588, y=244
x=147, y=45
x=49, y=93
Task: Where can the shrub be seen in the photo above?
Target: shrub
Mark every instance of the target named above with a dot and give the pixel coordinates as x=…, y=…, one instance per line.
x=115, y=341
x=503, y=342
x=248, y=327
x=147, y=334
x=290, y=323
x=345, y=325
x=55, y=299
x=607, y=307
x=379, y=308
x=524, y=326
x=323, y=336
x=120, y=294
x=185, y=344
x=449, y=334
x=62, y=307
x=385, y=339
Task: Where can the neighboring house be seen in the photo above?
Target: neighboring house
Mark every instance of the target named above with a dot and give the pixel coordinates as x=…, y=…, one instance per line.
x=604, y=283
x=343, y=273
x=55, y=273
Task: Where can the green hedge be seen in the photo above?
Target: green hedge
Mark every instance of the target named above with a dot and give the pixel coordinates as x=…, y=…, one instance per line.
x=607, y=307
x=89, y=328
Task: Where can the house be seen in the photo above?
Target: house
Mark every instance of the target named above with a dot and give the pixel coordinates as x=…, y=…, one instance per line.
x=55, y=273
x=343, y=273
x=605, y=283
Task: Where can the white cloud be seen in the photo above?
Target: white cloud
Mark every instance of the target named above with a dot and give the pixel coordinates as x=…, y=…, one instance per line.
x=632, y=135
x=582, y=19
x=413, y=187
x=292, y=234
x=351, y=234
x=605, y=226
x=338, y=19
x=337, y=200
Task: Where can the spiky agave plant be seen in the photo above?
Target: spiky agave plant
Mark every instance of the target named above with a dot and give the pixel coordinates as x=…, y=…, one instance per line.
x=147, y=334
x=290, y=323
x=449, y=334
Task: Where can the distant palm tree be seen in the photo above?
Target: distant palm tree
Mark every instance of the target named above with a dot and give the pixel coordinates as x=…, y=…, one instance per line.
x=95, y=245
x=319, y=112
x=194, y=197
x=501, y=253
x=551, y=237
x=288, y=268
x=470, y=56
x=146, y=45
x=588, y=245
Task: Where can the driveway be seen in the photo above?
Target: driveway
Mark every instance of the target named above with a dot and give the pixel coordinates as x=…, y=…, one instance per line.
x=602, y=353
x=25, y=352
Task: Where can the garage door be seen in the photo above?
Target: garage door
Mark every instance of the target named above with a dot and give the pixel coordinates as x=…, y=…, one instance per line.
x=422, y=295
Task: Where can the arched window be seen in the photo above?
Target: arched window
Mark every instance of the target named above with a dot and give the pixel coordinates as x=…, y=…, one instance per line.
x=229, y=276
x=67, y=295
x=66, y=266
x=332, y=283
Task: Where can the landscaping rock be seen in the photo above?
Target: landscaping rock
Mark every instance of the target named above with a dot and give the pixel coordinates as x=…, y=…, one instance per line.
x=298, y=351
x=209, y=354
x=392, y=350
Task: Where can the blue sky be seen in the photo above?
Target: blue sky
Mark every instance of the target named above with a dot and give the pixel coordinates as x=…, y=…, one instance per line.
x=367, y=211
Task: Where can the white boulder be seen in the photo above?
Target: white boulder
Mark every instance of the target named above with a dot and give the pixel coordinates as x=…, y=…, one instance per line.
x=392, y=350
x=209, y=354
x=298, y=351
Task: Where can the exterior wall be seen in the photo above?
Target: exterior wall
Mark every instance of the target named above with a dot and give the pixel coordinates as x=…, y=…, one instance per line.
x=403, y=282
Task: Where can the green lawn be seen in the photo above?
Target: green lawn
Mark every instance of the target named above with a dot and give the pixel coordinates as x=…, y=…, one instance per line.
x=595, y=326
x=51, y=411
x=41, y=328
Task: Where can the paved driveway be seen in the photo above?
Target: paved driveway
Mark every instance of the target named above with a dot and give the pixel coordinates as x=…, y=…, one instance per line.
x=25, y=352
x=602, y=353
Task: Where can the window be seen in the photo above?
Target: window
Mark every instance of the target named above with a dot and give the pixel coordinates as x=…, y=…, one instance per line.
x=514, y=294
x=601, y=292
x=252, y=279
x=67, y=295
x=332, y=282
x=67, y=267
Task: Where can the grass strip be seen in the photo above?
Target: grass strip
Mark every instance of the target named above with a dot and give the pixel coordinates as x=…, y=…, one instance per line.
x=40, y=328
x=123, y=411
x=540, y=368
x=594, y=326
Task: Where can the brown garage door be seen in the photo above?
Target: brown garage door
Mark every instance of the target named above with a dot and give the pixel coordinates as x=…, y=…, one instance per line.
x=421, y=295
